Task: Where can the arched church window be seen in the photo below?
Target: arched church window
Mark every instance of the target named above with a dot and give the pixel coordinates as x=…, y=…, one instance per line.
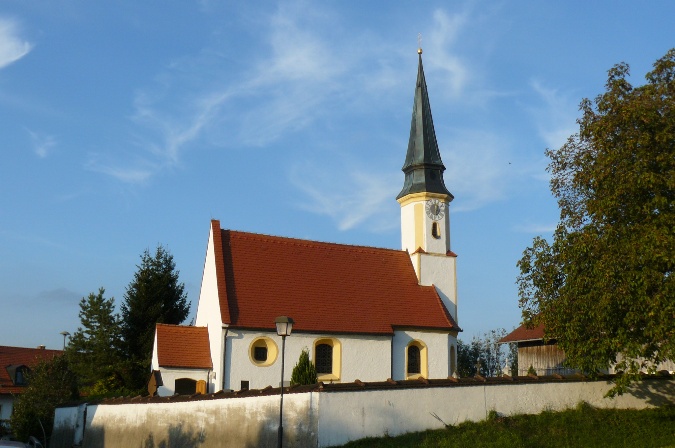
x=414, y=367
x=327, y=359
x=416, y=360
x=324, y=359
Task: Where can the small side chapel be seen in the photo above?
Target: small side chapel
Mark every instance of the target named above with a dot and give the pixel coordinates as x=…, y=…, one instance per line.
x=362, y=312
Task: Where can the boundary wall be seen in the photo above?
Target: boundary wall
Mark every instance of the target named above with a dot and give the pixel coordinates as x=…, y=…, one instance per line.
x=331, y=414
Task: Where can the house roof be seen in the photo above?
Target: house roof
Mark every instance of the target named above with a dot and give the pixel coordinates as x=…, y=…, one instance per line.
x=19, y=356
x=324, y=287
x=183, y=346
x=522, y=334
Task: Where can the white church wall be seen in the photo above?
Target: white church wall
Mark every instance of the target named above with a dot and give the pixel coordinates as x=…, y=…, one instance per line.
x=440, y=271
x=438, y=362
x=367, y=358
x=208, y=314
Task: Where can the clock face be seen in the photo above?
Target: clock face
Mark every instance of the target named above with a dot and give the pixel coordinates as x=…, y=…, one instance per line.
x=435, y=209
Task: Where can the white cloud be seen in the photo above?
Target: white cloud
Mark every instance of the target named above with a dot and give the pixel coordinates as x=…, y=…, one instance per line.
x=133, y=173
x=478, y=169
x=12, y=47
x=442, y=39
x=536, y=228
x=42, y=144
x=556, y=118
x=348, y=195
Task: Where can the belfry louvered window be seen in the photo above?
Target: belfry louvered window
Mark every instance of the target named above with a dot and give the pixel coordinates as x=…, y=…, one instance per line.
x=324, y=359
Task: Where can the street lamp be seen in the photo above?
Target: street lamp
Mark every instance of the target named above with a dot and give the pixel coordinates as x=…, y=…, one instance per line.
x=64, y=333
x=284, y=327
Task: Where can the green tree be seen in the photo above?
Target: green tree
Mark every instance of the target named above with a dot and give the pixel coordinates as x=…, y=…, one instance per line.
x=50, y=383
x=94, y=351
x=154, y=296
x=304, y=371
x=484, y=355
x=604, y=287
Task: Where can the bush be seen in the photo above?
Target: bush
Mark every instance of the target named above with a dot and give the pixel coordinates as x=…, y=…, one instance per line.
x=304, y=371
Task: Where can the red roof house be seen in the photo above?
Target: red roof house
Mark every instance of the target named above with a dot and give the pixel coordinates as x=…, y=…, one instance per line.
x=15, y=364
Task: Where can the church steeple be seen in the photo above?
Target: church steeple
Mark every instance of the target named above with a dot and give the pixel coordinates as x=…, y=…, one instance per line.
x=423, y=166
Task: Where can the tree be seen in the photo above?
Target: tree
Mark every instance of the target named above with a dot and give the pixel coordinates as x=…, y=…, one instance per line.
x=485, y=355
x=304, y=371
x=154, y=296
x=50, y=383
x=94, y=351
x=604, y=287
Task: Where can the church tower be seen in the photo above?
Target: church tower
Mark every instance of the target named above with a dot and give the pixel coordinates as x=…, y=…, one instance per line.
x=425, y=203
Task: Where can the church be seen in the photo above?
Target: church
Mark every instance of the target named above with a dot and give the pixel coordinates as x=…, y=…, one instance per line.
x=361, y=312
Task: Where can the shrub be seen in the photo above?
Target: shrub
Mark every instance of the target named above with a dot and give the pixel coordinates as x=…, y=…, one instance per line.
x=304, y=371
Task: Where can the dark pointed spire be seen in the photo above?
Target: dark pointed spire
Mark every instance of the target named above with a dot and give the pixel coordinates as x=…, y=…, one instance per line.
x=423, y=166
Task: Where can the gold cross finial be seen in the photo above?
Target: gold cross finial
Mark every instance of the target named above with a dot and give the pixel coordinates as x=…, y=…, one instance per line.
x=419, y=43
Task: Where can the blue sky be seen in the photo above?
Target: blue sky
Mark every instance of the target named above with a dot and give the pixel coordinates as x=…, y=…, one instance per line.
x=128, y=124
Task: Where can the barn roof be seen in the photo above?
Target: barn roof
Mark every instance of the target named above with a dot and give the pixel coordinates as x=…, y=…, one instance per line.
x=522, y=334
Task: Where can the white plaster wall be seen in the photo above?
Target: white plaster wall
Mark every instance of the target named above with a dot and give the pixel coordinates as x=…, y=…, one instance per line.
x=429, y=244
x=408, y=228
x=215, y=423
x=438, y=352
x=169, y=377
x=441, y=272
x=334, y=418
x=354, y=415
x=208, y=314
x=367, y=358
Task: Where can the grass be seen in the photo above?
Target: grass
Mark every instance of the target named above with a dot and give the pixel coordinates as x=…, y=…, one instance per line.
x=584, y=426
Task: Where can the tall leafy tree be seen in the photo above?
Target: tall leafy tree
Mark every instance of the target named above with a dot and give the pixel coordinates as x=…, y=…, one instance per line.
x=50, y=383
x=604, y=286
x=94, y=351
x=154, y=296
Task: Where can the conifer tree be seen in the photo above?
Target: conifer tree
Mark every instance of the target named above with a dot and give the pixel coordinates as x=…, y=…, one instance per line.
x=304, y=371
x=154, y=296
x=94, y=351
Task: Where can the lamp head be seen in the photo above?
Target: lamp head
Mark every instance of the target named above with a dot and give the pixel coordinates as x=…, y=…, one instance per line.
x=284, y=325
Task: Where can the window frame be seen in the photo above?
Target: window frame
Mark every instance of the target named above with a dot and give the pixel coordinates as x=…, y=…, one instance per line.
x=272, y=351
x=424, y=360
x=336, y=373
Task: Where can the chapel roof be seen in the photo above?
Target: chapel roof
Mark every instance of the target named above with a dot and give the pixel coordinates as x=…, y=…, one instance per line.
x=324, y=287
x=522, y=334
x=183, y=346
x=20, y=356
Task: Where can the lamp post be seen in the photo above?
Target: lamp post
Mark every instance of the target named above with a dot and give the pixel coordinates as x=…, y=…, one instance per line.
x=64, y=333
x=284, y=327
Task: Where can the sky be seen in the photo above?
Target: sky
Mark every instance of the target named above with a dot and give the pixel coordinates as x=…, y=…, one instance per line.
x=126, y=124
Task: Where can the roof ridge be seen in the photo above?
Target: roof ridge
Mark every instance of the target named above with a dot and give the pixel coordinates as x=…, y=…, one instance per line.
x=306, y=242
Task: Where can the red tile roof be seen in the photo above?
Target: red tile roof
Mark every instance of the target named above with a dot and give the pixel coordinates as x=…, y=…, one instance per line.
x=183, y=346
x=16, y=356
x=324, y=287
x=522, y=334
